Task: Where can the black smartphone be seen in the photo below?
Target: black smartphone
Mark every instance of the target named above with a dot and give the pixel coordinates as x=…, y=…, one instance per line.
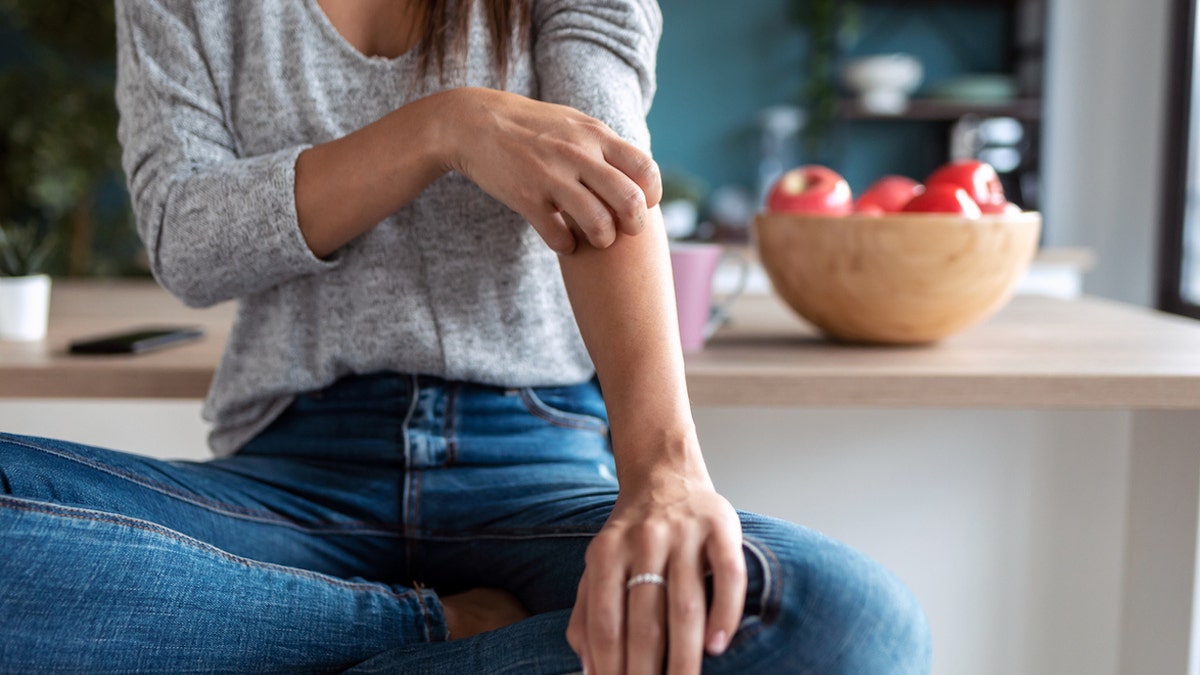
x=136, y=341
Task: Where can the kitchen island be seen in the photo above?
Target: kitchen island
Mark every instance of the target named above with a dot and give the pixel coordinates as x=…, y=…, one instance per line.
x=1036, y=353
x=1086, y=371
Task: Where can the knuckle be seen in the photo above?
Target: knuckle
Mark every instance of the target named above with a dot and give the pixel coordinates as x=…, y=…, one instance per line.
x=716, y=522
x=605, y=632
x=575, y=636
x=575, y=154
x=647, y=635
x=688, y=608
x=563, y=246
x=603, y=238
x=730, y=567
x=527, y=203
x=600, y=552
x=652, y=534
x=631, y=204
x=595, y=128
x=598, y=218
x=652, y=184
x=599, y=227
x=555, y=236
x=646, y=169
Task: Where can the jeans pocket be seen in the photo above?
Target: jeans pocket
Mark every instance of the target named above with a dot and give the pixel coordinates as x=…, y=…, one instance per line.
x=557, y=410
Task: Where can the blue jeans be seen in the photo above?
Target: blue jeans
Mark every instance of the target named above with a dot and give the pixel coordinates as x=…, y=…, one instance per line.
x=324, y=545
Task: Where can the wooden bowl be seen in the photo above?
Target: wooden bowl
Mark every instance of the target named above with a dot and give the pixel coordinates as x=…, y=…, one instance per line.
x=897, y=278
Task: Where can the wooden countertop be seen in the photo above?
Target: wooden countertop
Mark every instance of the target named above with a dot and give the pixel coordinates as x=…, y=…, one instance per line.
x=1036, y=353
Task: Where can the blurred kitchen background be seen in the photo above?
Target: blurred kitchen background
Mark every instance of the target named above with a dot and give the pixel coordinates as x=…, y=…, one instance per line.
x=773, y=83
x=1008, y=524
x=1065, y=97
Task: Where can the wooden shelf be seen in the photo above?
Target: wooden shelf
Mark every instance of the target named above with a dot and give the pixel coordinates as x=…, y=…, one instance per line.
x=938, y=110
x=925, y=3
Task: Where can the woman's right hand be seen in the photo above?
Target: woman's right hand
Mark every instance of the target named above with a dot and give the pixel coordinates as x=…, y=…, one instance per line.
x=565, y=172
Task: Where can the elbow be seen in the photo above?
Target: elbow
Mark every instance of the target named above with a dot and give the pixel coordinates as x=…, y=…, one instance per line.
x=181, y=270
x=181, y=281
x=181, y=267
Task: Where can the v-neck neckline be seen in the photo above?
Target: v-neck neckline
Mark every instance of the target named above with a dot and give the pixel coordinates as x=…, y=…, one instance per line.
x=336, y=35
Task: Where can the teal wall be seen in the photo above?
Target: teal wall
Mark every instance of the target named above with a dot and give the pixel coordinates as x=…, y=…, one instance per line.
x=720, y=62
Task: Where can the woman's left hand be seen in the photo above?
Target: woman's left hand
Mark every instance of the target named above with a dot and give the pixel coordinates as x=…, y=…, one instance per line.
x=678, y=527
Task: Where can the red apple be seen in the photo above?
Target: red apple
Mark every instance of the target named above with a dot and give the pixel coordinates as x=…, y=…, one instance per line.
x=888, y=195
x=811, y=189
x=978, y=178
x=944, y=199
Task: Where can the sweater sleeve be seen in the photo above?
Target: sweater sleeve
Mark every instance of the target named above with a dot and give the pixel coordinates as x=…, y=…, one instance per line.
x=598, y=57
x=216, y=225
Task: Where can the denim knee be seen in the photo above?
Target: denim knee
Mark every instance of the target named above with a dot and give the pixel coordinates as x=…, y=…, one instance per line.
x=868, y=620
x=825, y=608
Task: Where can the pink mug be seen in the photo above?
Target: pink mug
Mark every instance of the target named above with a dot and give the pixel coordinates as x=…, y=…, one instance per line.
x=693, y=266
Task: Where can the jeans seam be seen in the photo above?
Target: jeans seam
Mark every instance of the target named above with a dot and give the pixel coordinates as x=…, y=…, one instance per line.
x=75, y=513
x=424, y=613
x=406, y=487
x=448, y=429
x=415, y=486
x=560, y=418
x=230, y=510
x=441, y=537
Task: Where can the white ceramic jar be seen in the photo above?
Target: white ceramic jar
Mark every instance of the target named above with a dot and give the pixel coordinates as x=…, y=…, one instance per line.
x=883, y=83
x=24, y=307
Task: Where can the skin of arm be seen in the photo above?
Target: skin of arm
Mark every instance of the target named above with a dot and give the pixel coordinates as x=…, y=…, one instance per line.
x=668, y=518
x=624, y=303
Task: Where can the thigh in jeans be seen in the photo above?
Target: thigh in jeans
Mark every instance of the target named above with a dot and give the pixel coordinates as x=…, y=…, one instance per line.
x=320, y=515
x=120, y=563
x=528, y=481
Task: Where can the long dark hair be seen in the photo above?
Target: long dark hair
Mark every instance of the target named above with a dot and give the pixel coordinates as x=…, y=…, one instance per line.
x=444, y=24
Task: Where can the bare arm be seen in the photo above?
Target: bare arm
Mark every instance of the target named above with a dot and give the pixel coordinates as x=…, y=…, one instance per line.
x=668, y=519
x=624, y=303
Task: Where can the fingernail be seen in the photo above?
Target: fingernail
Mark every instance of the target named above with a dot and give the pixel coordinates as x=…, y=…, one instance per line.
x=717, y=642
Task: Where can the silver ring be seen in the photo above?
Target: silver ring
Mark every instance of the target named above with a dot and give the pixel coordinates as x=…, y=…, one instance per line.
x=647, y=578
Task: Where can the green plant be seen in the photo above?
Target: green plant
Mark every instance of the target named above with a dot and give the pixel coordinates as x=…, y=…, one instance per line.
x=24, y=251
x=59, y=156
x=828, y=24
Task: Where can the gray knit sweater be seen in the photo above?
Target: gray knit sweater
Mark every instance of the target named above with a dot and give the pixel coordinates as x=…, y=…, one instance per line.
x=217, y=99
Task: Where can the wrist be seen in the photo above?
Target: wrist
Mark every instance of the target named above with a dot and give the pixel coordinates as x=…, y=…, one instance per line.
x=649, y=459
x=452, y=124
x=435, y=135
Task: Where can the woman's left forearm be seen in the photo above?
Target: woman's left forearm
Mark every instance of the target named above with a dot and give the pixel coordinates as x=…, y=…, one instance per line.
x=624, y=303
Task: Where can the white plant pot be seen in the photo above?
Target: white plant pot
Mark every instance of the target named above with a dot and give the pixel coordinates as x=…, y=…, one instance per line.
x=24, y=307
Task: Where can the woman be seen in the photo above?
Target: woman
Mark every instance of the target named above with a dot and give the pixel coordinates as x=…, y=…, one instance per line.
x=414, y=454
